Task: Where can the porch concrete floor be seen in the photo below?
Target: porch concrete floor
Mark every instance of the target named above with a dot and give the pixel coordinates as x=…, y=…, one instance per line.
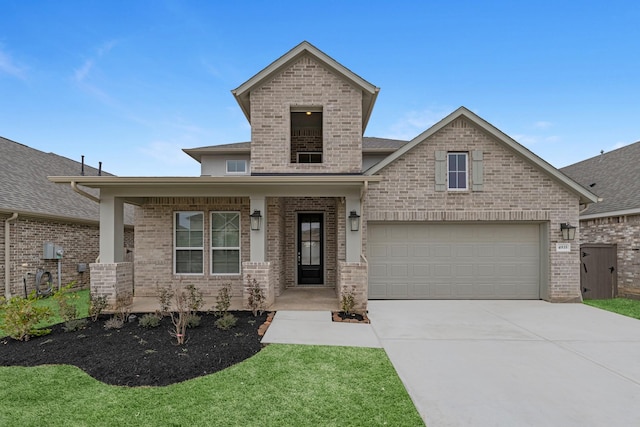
x=299, y=298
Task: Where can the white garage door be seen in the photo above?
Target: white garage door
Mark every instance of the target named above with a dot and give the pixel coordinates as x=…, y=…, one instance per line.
x=453, y=261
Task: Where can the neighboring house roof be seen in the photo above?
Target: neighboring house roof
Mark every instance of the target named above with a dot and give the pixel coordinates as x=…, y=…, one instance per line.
x=585, y=195
x=369, y=145
x=369, y=91
x=26, y=190
x=615, y=177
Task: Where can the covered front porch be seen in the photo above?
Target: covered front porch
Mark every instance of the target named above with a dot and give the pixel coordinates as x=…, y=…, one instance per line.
x=294, y=238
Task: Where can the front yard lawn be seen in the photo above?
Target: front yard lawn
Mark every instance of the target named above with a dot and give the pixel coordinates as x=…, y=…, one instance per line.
x=624, y=306
x=282, y=385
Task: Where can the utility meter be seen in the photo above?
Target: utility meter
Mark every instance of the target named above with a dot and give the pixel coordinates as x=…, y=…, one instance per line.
x=59, y=252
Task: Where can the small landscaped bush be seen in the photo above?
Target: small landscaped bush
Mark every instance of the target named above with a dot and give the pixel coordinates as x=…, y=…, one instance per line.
x=149, y=320
x=74, y=325
x=114, y=322
x=164, y=299
x=21, y=315
x=97, y=304
x=226, y=322
x=256, y=297
x=193, y=321
x=223, y=300
x=348, y=300
x=187, y=302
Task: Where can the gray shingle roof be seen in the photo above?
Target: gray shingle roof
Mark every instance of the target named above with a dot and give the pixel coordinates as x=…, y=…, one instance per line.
x=613, y=176
x=24, y=186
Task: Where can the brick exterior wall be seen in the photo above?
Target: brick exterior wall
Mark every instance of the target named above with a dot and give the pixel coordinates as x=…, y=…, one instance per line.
x=625, y=232
x=306, y=83
x=28, y=235
x=114, y=281
x=154, y=244
x=353, y=277
x=513, y=190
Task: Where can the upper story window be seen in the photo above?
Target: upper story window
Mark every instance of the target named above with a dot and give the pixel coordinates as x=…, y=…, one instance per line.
x=236, y=167
x=306, y=135
x=457, y=171
x=188, y=243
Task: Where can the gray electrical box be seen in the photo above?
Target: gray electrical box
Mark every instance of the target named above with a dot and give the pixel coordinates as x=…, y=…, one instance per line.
x=49, y=251
x=82, y=267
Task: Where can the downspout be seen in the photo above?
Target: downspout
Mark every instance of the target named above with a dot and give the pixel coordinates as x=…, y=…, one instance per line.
x=74, y=187
x=363, y=193
x=7, y=255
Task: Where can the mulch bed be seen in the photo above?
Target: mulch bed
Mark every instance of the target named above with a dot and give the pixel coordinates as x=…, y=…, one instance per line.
x=341, y=316
x=136, y=356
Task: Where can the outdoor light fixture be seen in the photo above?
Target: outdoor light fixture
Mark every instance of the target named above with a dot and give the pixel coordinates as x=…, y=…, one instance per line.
x=354, y=220
x=256, y=219
x=568, y=231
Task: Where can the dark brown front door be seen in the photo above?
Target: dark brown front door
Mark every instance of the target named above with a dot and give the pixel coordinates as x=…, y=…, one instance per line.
x=310, y=249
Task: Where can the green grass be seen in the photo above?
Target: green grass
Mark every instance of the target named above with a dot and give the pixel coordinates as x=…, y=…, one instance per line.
x=82, y=303
x=282, y=385
x=624, y=306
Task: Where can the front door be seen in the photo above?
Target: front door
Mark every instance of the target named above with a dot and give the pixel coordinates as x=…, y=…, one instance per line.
x=310, y=249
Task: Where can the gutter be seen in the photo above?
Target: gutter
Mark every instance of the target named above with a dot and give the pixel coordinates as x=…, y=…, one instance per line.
x=74, y=187
x=7, y=255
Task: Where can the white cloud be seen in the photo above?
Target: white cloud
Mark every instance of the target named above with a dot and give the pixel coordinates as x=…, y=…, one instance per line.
x=542, y=124
x=526, y=139
x=9, y=66
x=164, y=156
x=81, y=73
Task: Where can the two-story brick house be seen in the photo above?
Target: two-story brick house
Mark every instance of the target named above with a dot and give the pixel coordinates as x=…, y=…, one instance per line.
x=461, y=211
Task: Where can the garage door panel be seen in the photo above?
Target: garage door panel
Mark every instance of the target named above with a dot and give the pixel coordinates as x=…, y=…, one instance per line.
x=449, y=261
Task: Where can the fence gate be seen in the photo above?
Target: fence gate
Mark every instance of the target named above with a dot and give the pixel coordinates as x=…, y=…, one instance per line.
x=599, y=271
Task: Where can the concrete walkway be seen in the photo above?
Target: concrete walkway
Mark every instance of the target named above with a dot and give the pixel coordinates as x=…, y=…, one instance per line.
x=495, y=363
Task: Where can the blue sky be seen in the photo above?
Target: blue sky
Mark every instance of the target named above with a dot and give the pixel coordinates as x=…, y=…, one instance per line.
x=131, y=83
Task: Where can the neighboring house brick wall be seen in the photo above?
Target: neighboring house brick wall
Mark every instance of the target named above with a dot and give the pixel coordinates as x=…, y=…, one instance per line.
x=306, y=83
x=154, y=244
x=28, y=235
x=514, y=190
x=624, y=231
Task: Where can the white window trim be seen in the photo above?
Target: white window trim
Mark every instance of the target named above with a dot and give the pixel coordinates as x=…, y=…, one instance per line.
x=466, y=172
x=246, y=167
x=239, y=248
x=184, y=248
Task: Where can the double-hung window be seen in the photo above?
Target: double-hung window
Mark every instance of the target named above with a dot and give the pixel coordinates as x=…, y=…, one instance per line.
x=457, y=171
x=236, y=167
x=225, y=242
x=188, y=243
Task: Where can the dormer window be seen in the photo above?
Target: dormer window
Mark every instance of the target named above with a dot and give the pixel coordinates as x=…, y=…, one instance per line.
x=306, y=135
x=236, y=167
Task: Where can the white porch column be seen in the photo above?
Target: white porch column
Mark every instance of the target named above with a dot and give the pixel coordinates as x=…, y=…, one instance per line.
x=111, y=229
x=259, y=237
x=354, y=240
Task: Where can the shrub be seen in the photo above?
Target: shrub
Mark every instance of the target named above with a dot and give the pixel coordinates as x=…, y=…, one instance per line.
x=66, y=302
x=21, y=315
x=74, y=325
x=193, y=321
x=97, y=304
x=194, y=298
x=256, y=297
x=123, y=308
x=226, y=322
x=223, y=300
x=348, y=300
x=164, y=299
x=114, y=322
x=149, y=320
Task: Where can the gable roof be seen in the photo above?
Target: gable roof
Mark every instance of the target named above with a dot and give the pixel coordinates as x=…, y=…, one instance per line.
x=369, y=145
x=369, y=91
x=26, y=190
x=585, y=195
x=615, y=177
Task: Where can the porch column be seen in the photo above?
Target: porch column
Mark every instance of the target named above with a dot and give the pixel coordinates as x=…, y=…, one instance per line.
x=354, y=240
x=111, y=229
x=259, y=237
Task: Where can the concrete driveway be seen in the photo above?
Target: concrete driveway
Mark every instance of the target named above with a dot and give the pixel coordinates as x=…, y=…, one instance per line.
x=513, y=363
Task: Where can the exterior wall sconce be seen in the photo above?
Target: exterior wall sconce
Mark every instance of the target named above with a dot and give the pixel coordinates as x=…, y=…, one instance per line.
x=256, y=220
x=354, y=220
x=568, y=231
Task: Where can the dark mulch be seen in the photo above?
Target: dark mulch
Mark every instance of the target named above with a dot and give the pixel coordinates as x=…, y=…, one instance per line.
x=135, y=356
